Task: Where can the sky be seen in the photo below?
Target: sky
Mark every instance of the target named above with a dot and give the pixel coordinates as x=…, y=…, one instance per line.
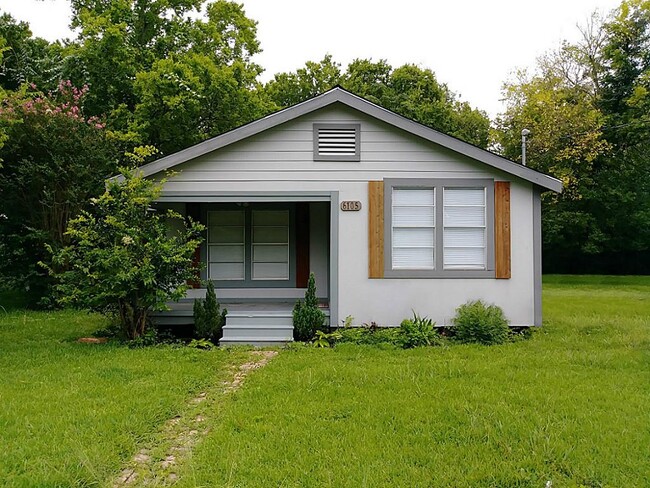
x=473, y=46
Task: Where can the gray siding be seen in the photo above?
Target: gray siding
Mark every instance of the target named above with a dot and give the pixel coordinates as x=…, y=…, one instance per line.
x=285, y=153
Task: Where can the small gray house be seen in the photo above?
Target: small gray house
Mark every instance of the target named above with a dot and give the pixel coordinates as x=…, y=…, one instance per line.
x=391, y=217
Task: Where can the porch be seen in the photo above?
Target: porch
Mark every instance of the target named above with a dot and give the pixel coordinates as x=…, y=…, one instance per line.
x=255, y=324
x=258, y=252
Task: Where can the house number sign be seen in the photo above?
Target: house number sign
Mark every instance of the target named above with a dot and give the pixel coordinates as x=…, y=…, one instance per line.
x=350, y=205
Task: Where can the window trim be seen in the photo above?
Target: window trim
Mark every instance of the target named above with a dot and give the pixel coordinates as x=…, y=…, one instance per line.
x=357, y=140
x=439, y=184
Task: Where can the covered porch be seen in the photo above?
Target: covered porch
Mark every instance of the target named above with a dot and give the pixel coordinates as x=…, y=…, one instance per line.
x=258, y=252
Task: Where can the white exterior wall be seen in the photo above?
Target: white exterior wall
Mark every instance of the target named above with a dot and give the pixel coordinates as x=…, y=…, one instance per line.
x=281, y=160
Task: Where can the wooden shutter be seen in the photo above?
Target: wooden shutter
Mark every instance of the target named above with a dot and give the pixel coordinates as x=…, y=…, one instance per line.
x=375, y=229
x=502, y=229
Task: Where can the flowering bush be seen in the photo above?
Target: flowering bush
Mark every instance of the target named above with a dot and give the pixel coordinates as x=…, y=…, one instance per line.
x=53, y=160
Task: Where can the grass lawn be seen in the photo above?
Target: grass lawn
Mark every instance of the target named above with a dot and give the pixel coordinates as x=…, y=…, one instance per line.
x=570, y=405
x=71, y=414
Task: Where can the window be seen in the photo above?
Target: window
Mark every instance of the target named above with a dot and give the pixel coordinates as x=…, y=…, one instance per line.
x=226, y=245
x=270, y=245
x=464, y=233
x=414, y=228
x=250, y=246
x=439, y=228
x=337, y=142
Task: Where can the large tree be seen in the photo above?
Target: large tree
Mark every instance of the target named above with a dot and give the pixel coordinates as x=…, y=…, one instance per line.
x=149, y=63
x=27, y=59
x=408, y=90
x=586, y=108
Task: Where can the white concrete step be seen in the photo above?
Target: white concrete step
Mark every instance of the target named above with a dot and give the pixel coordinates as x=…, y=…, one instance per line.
x=258, y=327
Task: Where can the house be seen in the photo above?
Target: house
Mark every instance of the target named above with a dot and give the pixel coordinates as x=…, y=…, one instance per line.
x=391, y=216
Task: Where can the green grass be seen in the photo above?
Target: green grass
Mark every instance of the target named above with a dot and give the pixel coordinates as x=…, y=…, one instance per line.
x=570, y=406
x=71, y=414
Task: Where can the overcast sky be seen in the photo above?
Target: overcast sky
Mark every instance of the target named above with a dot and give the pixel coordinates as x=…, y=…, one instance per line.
x=472, y=45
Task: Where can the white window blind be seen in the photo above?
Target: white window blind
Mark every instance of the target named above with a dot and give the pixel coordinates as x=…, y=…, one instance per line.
x=226, y=248
x=413, y=228
x=464, y=233
x=270, y=245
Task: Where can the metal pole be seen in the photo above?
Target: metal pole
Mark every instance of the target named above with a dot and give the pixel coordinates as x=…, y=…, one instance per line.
x=524, y=133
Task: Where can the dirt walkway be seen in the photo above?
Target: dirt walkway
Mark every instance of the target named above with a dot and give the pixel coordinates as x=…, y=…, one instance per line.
x=182, y=433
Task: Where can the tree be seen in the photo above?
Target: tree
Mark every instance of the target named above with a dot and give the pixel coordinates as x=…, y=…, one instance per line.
x=122, y=260
x=27, y=59
x=53, y=161
x=192, y=91
x=408, y=90
x=314, y=78
x=130, y=52
x=586, y=108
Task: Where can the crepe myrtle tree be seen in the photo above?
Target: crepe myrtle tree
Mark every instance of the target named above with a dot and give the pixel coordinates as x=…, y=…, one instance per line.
x=122, y=259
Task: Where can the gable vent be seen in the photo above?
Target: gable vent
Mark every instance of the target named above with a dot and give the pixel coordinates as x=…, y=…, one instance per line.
x=336, y=142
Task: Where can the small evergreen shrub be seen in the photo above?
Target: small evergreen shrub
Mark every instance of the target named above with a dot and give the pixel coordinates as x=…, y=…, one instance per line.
x=307, y=317
x=477, y=322
x=418, y=332
x=209, y=319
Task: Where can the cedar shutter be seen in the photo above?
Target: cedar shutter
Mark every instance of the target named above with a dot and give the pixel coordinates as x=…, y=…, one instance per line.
x=502, y=229
x=375, y=229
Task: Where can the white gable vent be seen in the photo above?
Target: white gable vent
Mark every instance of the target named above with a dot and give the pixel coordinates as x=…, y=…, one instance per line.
x=337, y=142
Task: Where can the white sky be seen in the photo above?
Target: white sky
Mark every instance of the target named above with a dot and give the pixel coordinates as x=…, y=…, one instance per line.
x=472, y=45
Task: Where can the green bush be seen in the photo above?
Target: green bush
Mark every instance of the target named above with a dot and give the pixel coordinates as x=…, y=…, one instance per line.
x=209, y=319
x=418, y=332
x=121, y=261
x=477, y=322
x=307, y=317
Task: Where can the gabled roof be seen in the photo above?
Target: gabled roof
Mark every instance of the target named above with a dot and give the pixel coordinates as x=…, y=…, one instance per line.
x=340, y=95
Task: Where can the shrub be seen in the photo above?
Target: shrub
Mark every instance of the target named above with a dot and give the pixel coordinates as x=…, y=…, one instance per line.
x=418, y=332
x=371, y=335
x=209, y=319
x=121, y=261
x=476, y=322
x=307, y=317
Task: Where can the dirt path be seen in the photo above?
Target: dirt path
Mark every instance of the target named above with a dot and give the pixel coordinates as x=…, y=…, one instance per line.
x=182, y=433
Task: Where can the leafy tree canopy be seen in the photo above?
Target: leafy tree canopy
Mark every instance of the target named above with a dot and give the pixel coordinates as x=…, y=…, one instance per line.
x=408, y=90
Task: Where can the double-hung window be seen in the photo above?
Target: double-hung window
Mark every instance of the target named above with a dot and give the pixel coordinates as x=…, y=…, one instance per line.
x=439, y=228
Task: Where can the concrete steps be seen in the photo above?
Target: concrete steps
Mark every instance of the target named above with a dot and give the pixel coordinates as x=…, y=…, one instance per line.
x=257, y=328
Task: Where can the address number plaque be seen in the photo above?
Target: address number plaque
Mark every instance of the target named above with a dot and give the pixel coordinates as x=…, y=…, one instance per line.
x=350, y=205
